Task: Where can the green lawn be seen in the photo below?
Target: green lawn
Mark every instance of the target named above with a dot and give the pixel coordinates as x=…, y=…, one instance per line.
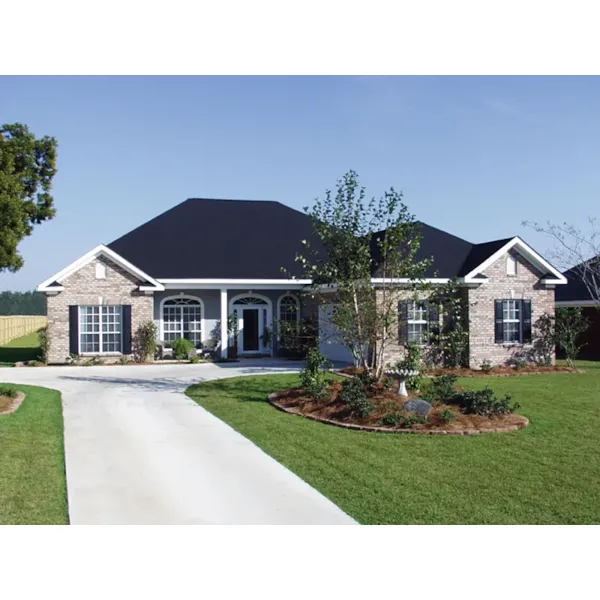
x=547, y=473
x=21, y=349
x=32, y=465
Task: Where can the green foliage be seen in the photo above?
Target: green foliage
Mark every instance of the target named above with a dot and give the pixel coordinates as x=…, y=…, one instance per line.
x=451, y=341
x=350, y=252
x=402, y=420
x=516, y=361
x=390, y=420
x=8, y=391
x=486, y=365
x=124, y=360
x=569, y=324
x=44, y=339
x=144, y=341
x=267, y=336
x=195, y=359
x=446, y=416
x=367, y=379
x=295, y=338
x=441, y=389
x=484, y=402
x=181, y=348
x=313, y=376
x=544, y=340
x=27, y=167
x=388, y=383
x=23, y=303
x=411, y=362
x=353, y=394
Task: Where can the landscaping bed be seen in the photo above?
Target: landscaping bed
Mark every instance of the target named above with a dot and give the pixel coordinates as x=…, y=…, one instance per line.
x=10, y=399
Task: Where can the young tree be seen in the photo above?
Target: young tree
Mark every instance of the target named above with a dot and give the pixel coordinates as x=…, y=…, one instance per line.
x=365, y=246
x=569, y=324
x=27, y=166
x=576, y=249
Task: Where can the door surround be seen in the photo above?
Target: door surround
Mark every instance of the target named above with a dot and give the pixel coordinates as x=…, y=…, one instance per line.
x=239, y=303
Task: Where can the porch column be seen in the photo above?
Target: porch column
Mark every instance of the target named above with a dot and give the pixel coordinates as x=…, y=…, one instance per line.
x=224, y=337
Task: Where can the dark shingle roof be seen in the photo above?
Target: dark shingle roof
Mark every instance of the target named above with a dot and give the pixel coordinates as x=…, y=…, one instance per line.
x=575, y=288
x=248, y=239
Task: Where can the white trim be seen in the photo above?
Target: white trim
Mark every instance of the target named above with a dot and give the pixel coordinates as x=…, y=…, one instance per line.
x=528, y=252
x=583, y=303
x=241, y=308
x=220, y=282
x=297, y=304
x=376, y=280
x=188, y=297
x=90, y=256
x=224, y=330
x=100, y=332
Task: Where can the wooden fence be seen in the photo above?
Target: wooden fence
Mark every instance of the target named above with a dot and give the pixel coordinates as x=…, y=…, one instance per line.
x=13, y=327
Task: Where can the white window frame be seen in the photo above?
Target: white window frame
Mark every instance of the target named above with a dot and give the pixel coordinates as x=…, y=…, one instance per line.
x=181, y=331
x=411, y=308
x=511, y=266
x=519, y=321
x=100, y=331
x=280, y=302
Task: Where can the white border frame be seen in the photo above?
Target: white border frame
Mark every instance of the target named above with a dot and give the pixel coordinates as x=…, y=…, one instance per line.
x=280, y=298
x=80, y=333
x=100, y=250
x=161, y=328
x=240, y=340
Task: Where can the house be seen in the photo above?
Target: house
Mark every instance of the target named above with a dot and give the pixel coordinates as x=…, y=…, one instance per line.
x=577, y=294
x=204, y=260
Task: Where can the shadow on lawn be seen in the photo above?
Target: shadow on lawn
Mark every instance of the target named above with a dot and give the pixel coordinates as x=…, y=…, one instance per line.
x=147, y=385
x=13, y=355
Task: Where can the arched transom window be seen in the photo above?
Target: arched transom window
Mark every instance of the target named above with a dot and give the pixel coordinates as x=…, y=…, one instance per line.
x=182, y=318
x=250, y=300
x=289, y=311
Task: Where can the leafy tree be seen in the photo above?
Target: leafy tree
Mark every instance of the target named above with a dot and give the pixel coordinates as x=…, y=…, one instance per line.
x=22, y=303
x=362, y=240
x=27, y=167
x=569, y=324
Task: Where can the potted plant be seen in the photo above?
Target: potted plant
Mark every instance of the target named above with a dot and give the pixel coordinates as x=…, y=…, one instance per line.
x=232, y=332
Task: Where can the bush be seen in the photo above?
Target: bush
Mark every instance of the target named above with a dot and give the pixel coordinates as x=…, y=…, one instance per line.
x=195, y=359
x=390, y=420
x=517, y=362
x=353, y=394
x=486, y=365
x=411, y=362
x=485, y=403
x=144, y=341
x=367, y=378
x=44, y=344
x=8, y=392
x=446, y=416
x=313, y=376
x=404, y=421
x=569, y=324
x=441, y=389
x=181, y=348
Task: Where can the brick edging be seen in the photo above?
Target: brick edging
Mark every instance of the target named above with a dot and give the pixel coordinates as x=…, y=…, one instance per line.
x=272, y=398
x=496, y=375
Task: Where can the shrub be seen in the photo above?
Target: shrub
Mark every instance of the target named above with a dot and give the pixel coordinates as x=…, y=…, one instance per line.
x=144, y=341
x=181, y=348
x=442, y=388
x=313, y=376
x=486, y=365
x=44, y=344
x=8, y=392
x=517, y=362
x=408, y=420
x=124, y=360
x=353, y=394
x=390, y=420
x=195, y=359
x=411, y=362
x=367, y=378
x=484, y=402
x=446, y=416
x=569, y=324
x=388, y=383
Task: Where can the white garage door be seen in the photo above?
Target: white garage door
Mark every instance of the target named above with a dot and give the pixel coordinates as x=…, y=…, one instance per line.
x=329, y=341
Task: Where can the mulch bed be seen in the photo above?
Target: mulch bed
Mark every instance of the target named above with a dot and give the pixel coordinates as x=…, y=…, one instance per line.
x=8, y=405
x=493, y=372
x=332, y=411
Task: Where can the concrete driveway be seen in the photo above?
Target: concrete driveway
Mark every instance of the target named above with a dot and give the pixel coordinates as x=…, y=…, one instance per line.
x=138, y=451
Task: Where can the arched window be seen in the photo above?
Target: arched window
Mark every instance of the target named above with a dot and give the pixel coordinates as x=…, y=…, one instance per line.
x=182, y=318
x=289, y=311
x=250, y=300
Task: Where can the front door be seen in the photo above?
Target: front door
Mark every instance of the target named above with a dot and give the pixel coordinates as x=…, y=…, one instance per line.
x=250, y=332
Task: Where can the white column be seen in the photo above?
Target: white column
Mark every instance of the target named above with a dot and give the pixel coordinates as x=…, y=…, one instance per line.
x=224, y=340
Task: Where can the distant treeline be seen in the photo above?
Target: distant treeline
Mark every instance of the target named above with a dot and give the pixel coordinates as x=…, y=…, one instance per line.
x=22, y=303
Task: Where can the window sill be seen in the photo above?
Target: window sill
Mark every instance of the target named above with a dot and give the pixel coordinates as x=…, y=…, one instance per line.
x=100, y=354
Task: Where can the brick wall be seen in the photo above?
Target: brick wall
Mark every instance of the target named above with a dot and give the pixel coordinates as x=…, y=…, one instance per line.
x=82, y=288
x=500, y=286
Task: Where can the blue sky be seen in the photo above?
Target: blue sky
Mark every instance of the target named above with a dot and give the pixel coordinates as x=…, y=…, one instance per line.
x=473, y=155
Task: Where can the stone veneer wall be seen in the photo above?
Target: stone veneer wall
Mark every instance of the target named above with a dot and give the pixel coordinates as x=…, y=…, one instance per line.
x=82, y=288
x=500, y=286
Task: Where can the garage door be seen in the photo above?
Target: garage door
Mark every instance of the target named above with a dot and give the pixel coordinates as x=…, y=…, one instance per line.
x=329, y=340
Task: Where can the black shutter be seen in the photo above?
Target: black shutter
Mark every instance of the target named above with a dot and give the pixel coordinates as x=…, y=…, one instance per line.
x=434, y=318
x=526, y=320
x=403, y=321
x=73, y=329
x=126, y=328
x=499, y=329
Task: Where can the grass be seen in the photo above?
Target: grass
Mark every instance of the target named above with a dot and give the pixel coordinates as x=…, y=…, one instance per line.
x=21, y=349
x=548, y=473
x=32, y=467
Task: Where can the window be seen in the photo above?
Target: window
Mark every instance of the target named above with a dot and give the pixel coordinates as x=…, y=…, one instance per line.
x=182, y=318
x=100, y=270
x=417, y=320
x=511, y=265
x=250, y=300
x=513, y=321
x=100, y=329
x=288, y=309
